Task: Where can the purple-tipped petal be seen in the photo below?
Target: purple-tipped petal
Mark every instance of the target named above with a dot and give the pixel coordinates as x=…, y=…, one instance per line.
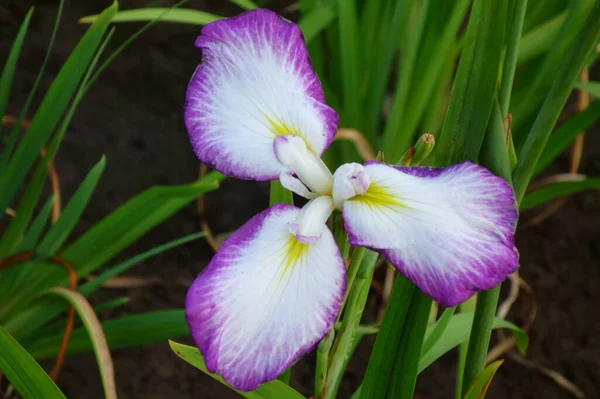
x=265, y=299
x=255, y=82
x=450, y=231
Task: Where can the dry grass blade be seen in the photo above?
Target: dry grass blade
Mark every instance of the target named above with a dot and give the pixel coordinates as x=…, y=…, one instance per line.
x=96, y=334
x=360, y=142
x=124, y=282
x=583, y=101
x=23, y=257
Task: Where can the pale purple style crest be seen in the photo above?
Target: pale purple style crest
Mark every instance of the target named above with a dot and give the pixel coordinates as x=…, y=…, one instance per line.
x=255, y=82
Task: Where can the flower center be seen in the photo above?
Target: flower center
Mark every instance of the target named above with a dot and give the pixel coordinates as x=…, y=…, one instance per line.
x=291, y=151
x=309, y=225
x=349, y=180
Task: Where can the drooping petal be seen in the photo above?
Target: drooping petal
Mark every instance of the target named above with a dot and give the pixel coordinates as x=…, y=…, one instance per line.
x=255, y=82
x=291, y=182
x=265, y=299
x=450, y=231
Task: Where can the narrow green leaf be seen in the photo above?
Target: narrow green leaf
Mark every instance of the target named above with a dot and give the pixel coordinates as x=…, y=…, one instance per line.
x=14, y=133
x=555, y=190
x=270, y=390
x=94, y=330
x=116, y=270
x=436, y=330
x=52, y=107
x=591, y=87
x=381, y=363
x=10, y=66
x=316, y=20
x=479, y=339
x=404, y=375
x=343, y=344
x=37, y=226
x=483, y=381
x=458, y=331
x=70, y=215
x=124, y=332
x=474, y=88
x=571, y=66
x=539, y=40
x=562, y=138
x=109, y=237
x=23, y=372
x=348, y=56
x=162, y=14
x=516, y=17
x=245, y=4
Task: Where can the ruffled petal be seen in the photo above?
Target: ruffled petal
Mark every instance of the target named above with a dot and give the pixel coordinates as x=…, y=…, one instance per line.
x=255, y=82
x=450, y=231
x=265, y=299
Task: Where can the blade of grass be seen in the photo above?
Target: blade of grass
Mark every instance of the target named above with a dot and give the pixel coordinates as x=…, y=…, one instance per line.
x=537, y=41
x=109, y=237
x=516, y=17
x=555, y=101
x=381, y=363
x=49, y=112
x=348, y=56
x=402, y=385
x=71, y=214
x=162, y=14
x=342, y=346
x=14, y=134
x=10, y=66
x=436, y=330
x=245, y=4
x=555, y=190
x=562, y=138
x=92, y=285
x=94, y=330
x=23, y=372
x=37, y=226
x=475, y=84
x=270, y=390
x=430, y=64
x=591, y=87
x=480, y=387
x=458, y=331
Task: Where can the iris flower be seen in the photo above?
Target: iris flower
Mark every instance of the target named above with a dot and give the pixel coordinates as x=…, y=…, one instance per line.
x=255, y=109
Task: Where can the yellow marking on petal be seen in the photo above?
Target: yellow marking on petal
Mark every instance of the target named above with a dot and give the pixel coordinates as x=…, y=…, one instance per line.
x=281, y=129
x=378, y=196
x=294, y=251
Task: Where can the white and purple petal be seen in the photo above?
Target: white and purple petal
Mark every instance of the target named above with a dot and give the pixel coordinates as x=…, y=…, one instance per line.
x=265, y=299
x=255, y=82
x=450, y=231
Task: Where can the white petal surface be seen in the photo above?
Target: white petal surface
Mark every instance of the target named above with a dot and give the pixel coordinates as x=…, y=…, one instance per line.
x=265, y=299
x=255, y=82
x=450, y=231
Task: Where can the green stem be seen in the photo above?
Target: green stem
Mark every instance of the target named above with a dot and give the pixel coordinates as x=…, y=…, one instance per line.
x=465, y=307
x=357, y=300
x=480, y=336
x=323, y=361
x=409, y=353
x=516, y=19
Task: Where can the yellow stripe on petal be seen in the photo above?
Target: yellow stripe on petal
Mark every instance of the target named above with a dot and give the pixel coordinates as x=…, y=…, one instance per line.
x=379, y=196
x=294, y=252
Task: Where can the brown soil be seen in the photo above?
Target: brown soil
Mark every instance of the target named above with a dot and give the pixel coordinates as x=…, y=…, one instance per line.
x=133, y=115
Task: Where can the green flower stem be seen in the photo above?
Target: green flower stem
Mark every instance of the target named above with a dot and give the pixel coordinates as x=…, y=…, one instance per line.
x=343, y=344
x=516, y=19
x=323, y=350
x=480, y=336
x=465, y=307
